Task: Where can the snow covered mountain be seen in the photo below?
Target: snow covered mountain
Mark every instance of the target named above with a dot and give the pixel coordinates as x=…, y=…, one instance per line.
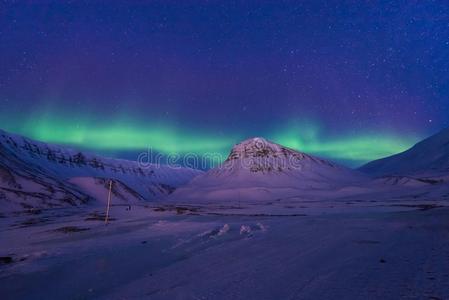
x=259, y=169
x=429, y=157
x=36, y=174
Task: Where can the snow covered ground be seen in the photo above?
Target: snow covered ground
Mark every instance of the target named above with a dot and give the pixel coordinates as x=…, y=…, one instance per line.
x=359, y=247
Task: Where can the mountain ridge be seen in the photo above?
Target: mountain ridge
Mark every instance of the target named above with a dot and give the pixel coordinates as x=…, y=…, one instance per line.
x=427, y=157
x=30, y=170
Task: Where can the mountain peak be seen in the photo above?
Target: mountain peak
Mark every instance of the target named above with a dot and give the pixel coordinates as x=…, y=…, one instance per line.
x=259, y=147
x=255, y=142
x=259, y=155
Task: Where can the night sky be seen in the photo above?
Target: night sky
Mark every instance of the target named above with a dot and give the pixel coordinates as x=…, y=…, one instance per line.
x=347, y=82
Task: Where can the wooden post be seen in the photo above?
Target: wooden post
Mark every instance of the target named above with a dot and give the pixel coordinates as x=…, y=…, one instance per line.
x=239, y=199
x=109, y=203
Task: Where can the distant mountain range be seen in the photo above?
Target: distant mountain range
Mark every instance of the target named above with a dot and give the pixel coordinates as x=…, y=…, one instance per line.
x=36, y=174
x=40, y=175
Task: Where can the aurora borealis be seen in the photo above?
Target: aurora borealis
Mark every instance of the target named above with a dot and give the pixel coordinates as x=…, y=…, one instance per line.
x=169, y=140
x=350, y=83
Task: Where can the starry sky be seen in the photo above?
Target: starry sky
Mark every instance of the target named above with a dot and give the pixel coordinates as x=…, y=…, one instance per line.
x=349, y=82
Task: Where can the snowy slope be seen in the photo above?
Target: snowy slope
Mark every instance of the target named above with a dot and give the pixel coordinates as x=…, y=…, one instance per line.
x=428, y=157
x=24, y=185
x=98, y=188
x=30, y=169
x=259, y=169
x=396, y=180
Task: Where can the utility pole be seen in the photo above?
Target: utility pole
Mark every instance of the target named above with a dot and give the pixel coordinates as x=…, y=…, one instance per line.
x=109, y=203
x=239, y=199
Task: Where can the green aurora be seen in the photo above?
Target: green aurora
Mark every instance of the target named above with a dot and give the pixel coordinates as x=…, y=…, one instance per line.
x=125, y=135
